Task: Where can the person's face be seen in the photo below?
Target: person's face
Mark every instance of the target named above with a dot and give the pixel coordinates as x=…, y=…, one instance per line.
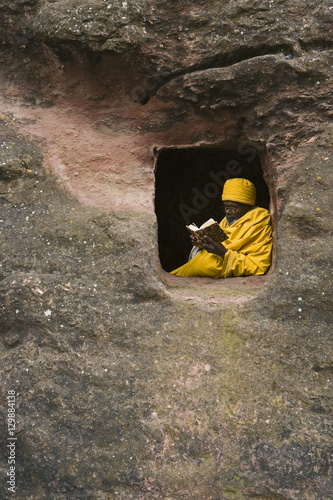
x=234, y=210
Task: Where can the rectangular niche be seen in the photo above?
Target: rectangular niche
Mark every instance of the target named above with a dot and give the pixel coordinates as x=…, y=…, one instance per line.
x=188, y=187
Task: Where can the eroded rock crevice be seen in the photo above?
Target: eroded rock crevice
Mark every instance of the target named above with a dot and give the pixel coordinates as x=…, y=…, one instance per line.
x=280, y=52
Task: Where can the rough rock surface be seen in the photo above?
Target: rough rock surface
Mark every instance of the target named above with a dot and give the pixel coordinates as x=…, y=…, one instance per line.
x=131, y=383
x=118, y=26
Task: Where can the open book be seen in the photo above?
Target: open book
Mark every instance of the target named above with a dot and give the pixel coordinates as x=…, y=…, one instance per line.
x=209, y=228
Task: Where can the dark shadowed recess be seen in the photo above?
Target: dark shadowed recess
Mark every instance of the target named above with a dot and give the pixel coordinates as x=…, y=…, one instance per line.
x=188, y=187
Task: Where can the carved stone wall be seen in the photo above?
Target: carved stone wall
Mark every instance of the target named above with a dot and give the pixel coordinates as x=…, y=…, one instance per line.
x=130, y=383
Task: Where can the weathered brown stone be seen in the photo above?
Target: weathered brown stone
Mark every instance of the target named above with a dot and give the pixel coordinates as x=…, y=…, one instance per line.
x=118, y=26
x=132, y=383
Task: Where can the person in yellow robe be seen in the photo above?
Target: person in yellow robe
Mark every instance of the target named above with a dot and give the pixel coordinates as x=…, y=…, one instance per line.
x=248, y=249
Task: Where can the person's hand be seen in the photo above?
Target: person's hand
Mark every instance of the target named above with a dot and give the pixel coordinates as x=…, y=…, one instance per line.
x=208, y=244
x=195, y=240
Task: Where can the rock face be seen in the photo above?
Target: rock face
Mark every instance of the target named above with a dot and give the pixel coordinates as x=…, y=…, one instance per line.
x=118, y=26
x=130, y=383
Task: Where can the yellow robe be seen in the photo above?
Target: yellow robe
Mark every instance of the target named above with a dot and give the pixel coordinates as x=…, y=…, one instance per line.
x=249, y=246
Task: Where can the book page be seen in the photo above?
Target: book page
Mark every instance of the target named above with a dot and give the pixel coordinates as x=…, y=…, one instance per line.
x=193, y=227
x=208, y=222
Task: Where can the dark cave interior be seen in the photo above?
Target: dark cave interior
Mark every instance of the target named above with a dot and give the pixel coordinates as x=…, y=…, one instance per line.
x=188, y=186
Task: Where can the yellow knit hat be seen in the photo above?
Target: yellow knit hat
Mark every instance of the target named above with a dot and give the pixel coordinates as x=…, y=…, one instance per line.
x=240, y=190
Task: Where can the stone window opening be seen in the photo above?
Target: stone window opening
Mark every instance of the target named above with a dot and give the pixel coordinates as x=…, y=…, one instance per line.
x=188, y=187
